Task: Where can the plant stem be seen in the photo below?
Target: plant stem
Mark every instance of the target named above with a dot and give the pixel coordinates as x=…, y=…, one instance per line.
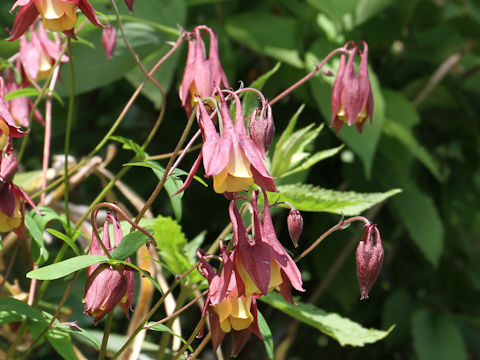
x=339, y=226
x=190, y=339
x=106, y=334
x=67, y=134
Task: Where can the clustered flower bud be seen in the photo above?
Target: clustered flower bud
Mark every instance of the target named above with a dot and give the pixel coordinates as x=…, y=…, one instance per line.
x=109, y=40
x=352, y=98
x=369, y=259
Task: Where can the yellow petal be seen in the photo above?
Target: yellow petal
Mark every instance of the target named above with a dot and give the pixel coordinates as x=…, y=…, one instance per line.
x=53, y=9
x=275, y=276
x=238, y=165
x=219, y=181
x=234, y=184
x=223, y=310
x=225, y=326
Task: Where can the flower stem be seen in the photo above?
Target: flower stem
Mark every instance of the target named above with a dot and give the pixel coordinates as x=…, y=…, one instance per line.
x=341, y=225
x=67, y=134
x=106, y=334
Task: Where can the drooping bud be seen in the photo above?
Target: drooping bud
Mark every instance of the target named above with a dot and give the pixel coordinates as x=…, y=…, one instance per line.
x=369, y=260
x=129, y=4
x=352, y=99
x=109, y=40
x=295, y=225
x=262, y=129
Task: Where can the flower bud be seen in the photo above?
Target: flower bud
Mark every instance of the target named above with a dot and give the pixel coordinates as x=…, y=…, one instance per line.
x=262, y=129
x=109, y=40
x=295, y=225
x=369, y=260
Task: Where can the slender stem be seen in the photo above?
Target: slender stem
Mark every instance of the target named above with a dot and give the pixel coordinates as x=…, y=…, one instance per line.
x=169, y=155
x=55, y=315
x=37, y=102
x=308, y=76
x=341, y=224
x=106, y=334
x=200, y=347
x=67, y=134
x=167, y=168
x=117, y=121
x=182, y=153
x=10, y=264
x=153, y=310
x=48, y=132
x=190, y=339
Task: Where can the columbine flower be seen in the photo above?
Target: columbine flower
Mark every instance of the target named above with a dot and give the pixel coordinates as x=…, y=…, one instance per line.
x=231, y=157
x=38, y=56
x=8, y=128
x=202, y=75
x=261, y=262
x=369, y=259
x=352, y=99
x=228, y=312
x=106, y=286
x=58, y=15
x=109, y=40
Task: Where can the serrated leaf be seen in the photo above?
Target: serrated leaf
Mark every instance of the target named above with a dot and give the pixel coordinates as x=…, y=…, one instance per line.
x=266, y=334
x=306, y=197
x=129, y=245
x=163, y=328
x=63, y=268
x=345, y=331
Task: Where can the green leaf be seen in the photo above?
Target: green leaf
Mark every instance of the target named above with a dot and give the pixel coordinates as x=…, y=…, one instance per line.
x=344, y=330
x=250, y=99
x=62, y=343
x=28, y=92
x=416, y=209
x=115, y=262
x=63, y=268
x=267, y=34
x=39, y=251
x=267, y=335
x=163, y=328
x=66, y=239
x=437, y=337
x=172, y=184
x=16, y=310
x=129, y=245
x=129, y=144
x=80, y=332
x=306, y=197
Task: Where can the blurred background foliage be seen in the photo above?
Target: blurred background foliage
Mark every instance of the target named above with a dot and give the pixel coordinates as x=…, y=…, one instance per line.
x=425, y=67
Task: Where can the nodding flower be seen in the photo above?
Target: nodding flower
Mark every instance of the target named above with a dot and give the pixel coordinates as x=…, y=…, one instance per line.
x=352, y=98
x=8, y=127
x=106, y=286
x=229, y=154
x=57, y=15
x=202, y=74
x=228, y=311
x=262, y=264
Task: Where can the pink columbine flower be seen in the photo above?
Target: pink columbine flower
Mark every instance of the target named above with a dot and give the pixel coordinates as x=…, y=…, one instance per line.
x=202, y=75
x=109, y=40
x=228, y=311
x=8, y=127
x=107, y=286
x=12, y=198
x=38, y=55
x=352, y=99
x=262, y=264
x=369, y=259
x=58, y=15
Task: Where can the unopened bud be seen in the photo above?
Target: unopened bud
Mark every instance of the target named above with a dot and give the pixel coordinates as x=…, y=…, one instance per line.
x=295, y=225
x=369, y=260
x=262, y=129
x=109, y=40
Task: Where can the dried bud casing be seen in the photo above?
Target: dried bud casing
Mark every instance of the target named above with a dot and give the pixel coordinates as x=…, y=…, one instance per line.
x=109, y=40
x=295, y=225
x=369, y=260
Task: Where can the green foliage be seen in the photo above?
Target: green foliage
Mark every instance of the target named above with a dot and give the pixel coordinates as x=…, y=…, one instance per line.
x=266, y=334
x=311, y=198
x=66, y=267
x=129, y=245
x=345, y=331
